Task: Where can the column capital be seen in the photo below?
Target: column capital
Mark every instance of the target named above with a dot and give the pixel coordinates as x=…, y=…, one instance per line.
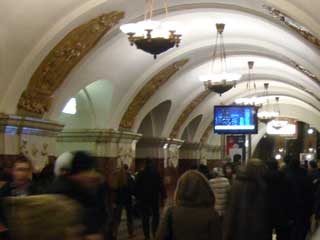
x=16, y=125
x=98, y=135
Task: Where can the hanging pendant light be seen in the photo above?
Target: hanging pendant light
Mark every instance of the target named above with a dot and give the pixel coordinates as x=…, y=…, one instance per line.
x=154, y=37
x=223, y=81
x=266, y=114
x=251, y=86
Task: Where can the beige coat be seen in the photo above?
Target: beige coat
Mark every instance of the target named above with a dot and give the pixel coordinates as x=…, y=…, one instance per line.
x=193, y=216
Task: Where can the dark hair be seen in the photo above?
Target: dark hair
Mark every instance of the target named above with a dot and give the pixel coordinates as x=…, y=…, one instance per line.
x=81, y=161
x=125, y=167
x=22, y=159
x=272, y=164
x=313, y=164
x=237, y=158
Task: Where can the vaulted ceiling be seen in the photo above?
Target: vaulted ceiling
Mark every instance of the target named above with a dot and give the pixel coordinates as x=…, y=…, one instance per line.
x=284, y=46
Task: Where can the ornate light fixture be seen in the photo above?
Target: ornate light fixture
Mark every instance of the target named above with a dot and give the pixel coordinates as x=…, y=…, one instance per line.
x=251, y=85
x=151, y=36
x=265, y=115
x=224, y=81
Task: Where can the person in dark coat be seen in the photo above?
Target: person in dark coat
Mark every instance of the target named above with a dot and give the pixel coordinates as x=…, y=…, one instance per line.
x=247, y=213
x=84, y=185
x=123, y=199
x=301, y=202
x=21, y=184
x=193, y=216
x=149, y=191
x=279, y=201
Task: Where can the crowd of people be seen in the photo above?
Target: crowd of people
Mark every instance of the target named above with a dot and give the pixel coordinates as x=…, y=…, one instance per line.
x=256, y=200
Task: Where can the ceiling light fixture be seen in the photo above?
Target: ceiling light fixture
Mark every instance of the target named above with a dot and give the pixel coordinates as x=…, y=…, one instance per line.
x=223, y=81
x=154, y=37
x=251, y=85
x=265, y=114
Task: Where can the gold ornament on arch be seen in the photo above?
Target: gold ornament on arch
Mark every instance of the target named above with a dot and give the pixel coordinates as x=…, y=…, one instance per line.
x=54, y=69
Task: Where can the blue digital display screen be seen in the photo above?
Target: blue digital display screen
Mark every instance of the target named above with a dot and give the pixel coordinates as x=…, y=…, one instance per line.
x=235, y=120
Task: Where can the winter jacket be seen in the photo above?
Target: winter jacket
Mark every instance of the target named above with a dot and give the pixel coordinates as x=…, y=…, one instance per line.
x=90, y=193
x=149, y=187
x=221, y=188
x=247, y=215
x=193, y=216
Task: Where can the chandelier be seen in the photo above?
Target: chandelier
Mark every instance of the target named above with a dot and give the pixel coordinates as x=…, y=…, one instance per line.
x=154, y=37
x=251, y=85
x=224, y=81
x=266, y=114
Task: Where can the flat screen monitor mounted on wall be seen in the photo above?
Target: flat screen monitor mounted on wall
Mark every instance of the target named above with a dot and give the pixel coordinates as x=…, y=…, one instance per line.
x=235, y=120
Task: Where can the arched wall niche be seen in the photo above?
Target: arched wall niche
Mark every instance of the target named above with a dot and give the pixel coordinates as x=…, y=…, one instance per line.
x=190, y=131
x=153, y=123
x=94, y=106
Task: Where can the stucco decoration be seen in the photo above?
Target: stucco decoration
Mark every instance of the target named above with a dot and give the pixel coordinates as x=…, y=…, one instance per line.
x=304, y=71
x=148, y=91
x=54, y=69
x=205, y=136
x=186, y=113
x=293, y=24
x=126, y=155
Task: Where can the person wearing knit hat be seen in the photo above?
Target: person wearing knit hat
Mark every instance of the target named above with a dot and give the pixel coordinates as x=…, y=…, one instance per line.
x=63, y=164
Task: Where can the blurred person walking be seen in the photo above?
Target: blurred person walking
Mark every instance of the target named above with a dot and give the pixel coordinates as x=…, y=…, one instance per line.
x=149, y=191
x=221, y=188
x=193, y=216
x=21, y=184
x=124, y=192
x=247, y=214
x=301, y=197
x=84, y=185
x=279, y=201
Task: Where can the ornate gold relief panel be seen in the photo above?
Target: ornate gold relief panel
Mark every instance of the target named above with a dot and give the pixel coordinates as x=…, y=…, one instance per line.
x=293, y=24
x=148, y=91
x=186, y=113
x=54, y=69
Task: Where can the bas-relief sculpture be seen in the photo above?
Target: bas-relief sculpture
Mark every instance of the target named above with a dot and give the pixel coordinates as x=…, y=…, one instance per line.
x=148, y=91
x=290, y=22
x=186, y=113
x=54, y=69
x=37, y=153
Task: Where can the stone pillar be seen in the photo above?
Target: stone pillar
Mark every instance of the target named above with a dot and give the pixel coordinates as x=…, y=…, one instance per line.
x=32, y=137
x=112, y=148
x=164, y=152
x=198, y=153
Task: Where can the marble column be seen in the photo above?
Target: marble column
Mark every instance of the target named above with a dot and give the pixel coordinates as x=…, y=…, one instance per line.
x=165, y=153
x=192, y=154
x=35, y=138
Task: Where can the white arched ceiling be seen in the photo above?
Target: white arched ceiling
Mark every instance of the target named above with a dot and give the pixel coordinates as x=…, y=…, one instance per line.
x=93, y=105
x=190, y=131
x=153, y=123
x=249, y=30
x=251, y=33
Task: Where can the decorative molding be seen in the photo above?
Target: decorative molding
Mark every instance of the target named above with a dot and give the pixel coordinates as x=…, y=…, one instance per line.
x=54, y=69
x=187, y=111
x=148, y=91
x=98, y=135
x=304, y=71
x=293, y=24
x=205, y=136
x=158, y=142
x=16, y=125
